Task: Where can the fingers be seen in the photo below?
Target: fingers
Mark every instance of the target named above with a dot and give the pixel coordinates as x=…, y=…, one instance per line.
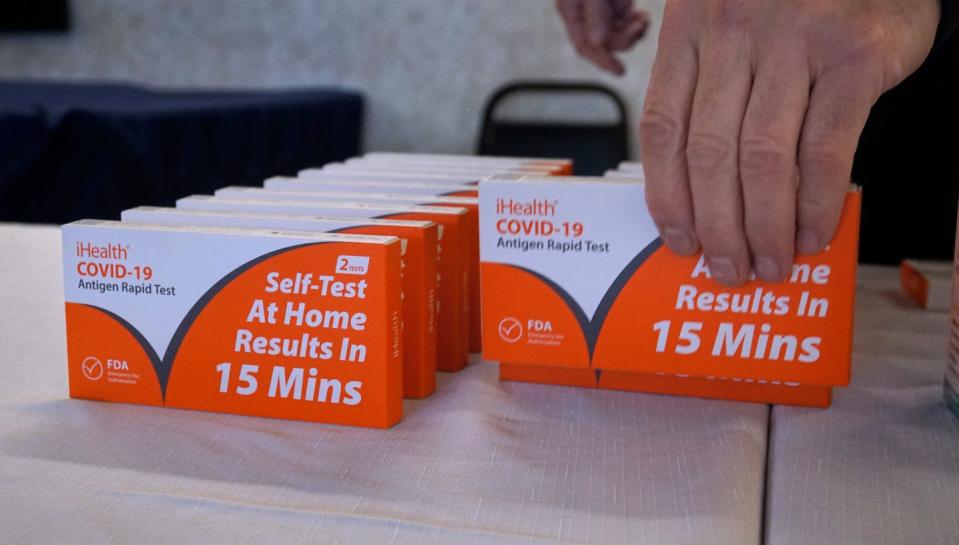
x=712, y=152
x=627, y=31
x=598, y=27
x=598, y=17
x=663, y=128
x=574, y=17
x=767, y=162
x=838, y=107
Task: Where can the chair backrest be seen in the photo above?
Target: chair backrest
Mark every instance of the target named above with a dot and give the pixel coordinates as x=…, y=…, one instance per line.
x=594, y=145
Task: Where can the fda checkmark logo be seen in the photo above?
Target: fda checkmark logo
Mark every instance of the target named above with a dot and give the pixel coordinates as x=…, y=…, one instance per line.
x=510, y=330
x=92, y=368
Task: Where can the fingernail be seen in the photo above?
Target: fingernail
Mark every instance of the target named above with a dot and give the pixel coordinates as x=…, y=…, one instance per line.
x=807, y=241
x=678, y=240
x=767, y=269
x=723, y=270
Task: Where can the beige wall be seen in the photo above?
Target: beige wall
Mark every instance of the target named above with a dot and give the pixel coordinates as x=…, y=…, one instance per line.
x=426, y=66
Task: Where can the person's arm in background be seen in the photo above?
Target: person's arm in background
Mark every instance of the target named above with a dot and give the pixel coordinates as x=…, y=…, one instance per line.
x=752, y=117
x=599, y=29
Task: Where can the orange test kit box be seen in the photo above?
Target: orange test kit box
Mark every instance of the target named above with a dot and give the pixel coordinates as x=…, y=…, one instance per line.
x=574, y=275
x=375, y=184
x=558, y=166
x=417, y=165
x=254, y=322
x=760, y=391
x=417, y=266
x=480, y=171
x=388, y=176
x=291, y=189
x=452, y=258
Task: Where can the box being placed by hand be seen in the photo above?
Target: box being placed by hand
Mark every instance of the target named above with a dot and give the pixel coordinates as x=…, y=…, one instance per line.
x=574, y=275
x=254, y=322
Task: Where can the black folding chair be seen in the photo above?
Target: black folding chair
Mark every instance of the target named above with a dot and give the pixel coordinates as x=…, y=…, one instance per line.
x=594, y=145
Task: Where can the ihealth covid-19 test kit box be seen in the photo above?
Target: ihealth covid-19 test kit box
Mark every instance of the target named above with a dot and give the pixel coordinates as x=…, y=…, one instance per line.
x=255, y=322
x=557, y=166
x=418, y=276
x=306, y=191
x=388, y=184
x=450, y=170
x=422, y=165
x=435, y=194
x=453, y=305
x=413, y=165
x=575, y=277
x=388, y=176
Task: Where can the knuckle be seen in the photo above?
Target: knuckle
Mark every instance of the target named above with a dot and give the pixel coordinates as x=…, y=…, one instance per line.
x=820, y=211
x=707, y=153
x=765, y=159
x=667, y=215
x=660, y=131
x=766, y=236
x=718, y=233
x=866, y=42
x=862, y=45
x=665, y=208
x=675, y=10
x=733, y=13
x=824, y=155
x=814, y=204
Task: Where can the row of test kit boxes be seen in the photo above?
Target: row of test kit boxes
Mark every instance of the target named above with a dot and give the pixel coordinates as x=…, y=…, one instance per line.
x=579, y=290
x=328, y=297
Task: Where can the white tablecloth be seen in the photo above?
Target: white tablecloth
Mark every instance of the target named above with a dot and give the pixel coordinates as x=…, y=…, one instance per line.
x=882, y=465
x=479, y=462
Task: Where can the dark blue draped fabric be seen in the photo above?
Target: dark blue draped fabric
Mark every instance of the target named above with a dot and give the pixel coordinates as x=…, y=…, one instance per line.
x=70, y=151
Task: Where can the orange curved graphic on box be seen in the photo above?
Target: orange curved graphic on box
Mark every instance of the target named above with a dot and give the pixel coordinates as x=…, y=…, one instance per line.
x=511, y=328
x=312, y=375
x=108, y=359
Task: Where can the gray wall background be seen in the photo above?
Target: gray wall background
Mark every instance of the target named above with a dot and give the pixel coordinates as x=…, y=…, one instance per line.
x=425, y=66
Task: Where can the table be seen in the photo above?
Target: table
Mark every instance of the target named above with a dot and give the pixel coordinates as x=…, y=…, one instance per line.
x=480, y=461
x=882, y=464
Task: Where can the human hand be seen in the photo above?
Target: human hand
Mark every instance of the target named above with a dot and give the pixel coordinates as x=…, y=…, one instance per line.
x=753, y=114
x=600, y=28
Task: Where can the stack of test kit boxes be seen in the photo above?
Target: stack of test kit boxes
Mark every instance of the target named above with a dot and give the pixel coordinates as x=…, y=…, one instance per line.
x=327, y=297
x=579, y=290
